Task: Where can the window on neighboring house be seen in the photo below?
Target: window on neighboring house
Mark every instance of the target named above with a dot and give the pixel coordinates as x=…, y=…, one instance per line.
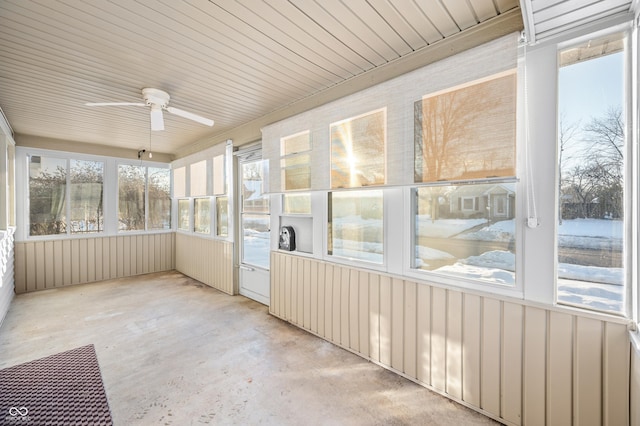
x=139, y=188
x=183, y=214
x=202, y=215
x=358, y=151
x=54, y=180
x=593, y=172
x=466, y=136
x=356, y=225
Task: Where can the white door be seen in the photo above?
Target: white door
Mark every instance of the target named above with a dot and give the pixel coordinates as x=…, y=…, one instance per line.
x=255, y=230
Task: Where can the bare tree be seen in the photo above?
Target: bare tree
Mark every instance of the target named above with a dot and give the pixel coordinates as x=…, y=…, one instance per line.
x=566, y=137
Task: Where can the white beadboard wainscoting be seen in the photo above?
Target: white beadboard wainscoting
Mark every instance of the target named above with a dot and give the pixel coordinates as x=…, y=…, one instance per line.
x=6, y=263
x=207, y=260
x=45, y=264
x=518, y=363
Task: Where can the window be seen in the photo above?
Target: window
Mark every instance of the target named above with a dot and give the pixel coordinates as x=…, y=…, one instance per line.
x=47, y=191
x=295, y=167
x=140, y=187
x=54, y=180
x=222, y=216
x=219, y=175
x=183, y=214
x=11, y=184
x=198, y=178
x=356, y=226
x=131, y=211
x=296, y=203
x=86, y=196
x=468, y=132
x=295, y=162
x=202, y=215
x=159, y=192
x=466, y=136
x=466, y=231
x=592, y=156
x=180, y=182
x=358, y=151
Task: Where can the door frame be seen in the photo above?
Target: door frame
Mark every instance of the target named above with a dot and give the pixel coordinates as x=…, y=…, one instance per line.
x=244, y=155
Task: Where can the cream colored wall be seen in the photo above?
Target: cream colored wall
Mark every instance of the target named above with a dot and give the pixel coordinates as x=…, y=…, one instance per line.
x=518, y=363
x=209, y=261
x=45, y=264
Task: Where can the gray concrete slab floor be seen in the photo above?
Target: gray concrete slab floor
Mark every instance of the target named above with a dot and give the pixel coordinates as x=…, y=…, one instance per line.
x=173, y=351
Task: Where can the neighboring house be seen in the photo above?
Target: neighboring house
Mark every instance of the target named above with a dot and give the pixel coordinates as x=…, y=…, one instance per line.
x=494, y=201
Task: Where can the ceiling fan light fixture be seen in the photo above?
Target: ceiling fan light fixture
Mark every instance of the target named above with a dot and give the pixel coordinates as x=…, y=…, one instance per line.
x=157, y=122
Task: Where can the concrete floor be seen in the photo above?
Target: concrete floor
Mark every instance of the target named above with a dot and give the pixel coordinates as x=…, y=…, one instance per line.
x=176, y=352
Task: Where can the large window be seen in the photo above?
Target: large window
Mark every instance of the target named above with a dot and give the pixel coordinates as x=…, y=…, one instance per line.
x=356, y=225
x=358, y=151
x=592, y=156
x=466, y=231
x=466, y=136
x=54, y=180
x=139, y=188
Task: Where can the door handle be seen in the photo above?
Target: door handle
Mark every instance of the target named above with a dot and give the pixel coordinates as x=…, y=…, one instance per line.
x=247, y=268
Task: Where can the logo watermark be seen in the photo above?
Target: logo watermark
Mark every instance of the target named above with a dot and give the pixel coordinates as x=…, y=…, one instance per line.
x=18, y=415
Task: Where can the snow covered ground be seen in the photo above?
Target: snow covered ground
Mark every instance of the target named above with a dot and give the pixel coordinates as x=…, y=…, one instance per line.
x=589, y=286
x=594, y=287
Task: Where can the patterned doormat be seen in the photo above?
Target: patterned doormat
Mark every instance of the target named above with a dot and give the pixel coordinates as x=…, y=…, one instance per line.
x=61, y=389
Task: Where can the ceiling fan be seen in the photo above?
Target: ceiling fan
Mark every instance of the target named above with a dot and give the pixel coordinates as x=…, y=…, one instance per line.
x=158, y=100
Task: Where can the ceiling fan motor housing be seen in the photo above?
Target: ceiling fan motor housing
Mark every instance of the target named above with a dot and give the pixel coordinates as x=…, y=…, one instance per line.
x=155, y=97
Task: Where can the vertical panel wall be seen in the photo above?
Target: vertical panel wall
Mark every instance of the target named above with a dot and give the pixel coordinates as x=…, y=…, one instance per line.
x=46, y=264
x=520, y=364
x=6, y=268
x=207, y=260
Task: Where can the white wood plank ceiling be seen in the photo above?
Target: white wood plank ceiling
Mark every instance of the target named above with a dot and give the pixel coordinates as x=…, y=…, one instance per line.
x=547, y=18
x=232, y=61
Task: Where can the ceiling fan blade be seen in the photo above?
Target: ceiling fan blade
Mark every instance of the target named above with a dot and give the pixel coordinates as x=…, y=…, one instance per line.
x=157, y=121
x=190, y=116
x=115, y=104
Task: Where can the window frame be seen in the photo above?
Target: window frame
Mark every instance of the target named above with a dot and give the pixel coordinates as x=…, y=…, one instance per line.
x=67, y=159
x=631, y=198
x=110, y=192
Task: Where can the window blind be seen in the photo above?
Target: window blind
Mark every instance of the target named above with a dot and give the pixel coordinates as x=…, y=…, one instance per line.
x=398, y=98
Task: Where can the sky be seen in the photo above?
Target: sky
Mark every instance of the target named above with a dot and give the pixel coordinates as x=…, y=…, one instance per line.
x=587, y=89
